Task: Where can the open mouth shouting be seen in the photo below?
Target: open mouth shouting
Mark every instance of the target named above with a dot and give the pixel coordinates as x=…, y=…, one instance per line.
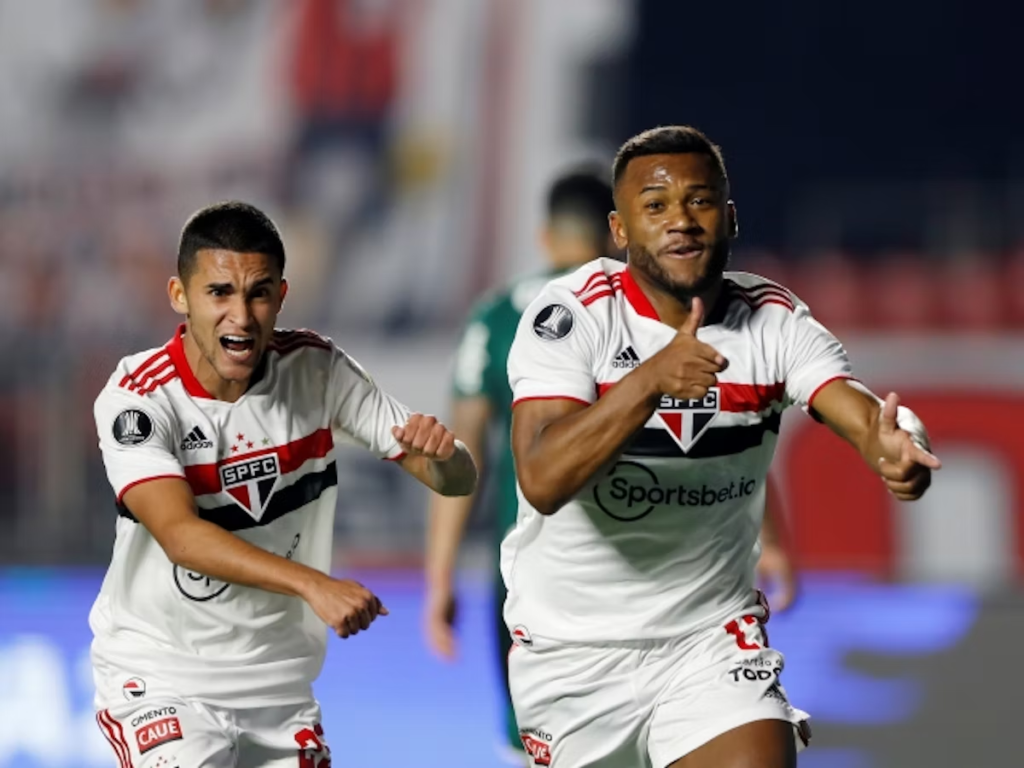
x=239, y=348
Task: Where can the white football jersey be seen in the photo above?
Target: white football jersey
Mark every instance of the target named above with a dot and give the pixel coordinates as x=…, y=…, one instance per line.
x=263, y=468
x=666, y=540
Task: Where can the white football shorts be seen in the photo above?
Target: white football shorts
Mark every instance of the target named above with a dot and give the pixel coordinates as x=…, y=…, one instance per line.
x=645, y=704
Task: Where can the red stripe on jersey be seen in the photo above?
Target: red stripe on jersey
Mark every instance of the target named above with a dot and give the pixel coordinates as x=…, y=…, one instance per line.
x=141, y=381
x=172, y=374
x=755, y=305
x=772, y=297
x=176, y=349
x=739, y=398
x=146, y=480
x=760, y=287
x=636, y=296
x=735, y=398
x=602, y=290
x=115, y=735
x=549, y=397
x=765, y=293
x=814, y=394
x=205, y=478
x=129, y=377
x=592, y=282
x=600, y=295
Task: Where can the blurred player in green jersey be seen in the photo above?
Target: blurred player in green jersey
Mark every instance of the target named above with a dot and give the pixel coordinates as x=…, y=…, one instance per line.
x=575, y=232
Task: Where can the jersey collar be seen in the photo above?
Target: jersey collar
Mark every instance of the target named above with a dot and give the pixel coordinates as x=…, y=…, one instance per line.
x=639, y=301
x=176, y=349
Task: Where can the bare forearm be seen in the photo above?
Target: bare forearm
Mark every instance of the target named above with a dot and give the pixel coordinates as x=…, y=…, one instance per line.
x=566, y=454
x=851, y=411
x=446, y=525
x=455, y=476
x=201, y=546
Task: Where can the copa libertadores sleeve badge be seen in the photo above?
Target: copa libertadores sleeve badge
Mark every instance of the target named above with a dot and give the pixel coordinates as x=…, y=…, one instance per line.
x=132, y=427
x=553, y=323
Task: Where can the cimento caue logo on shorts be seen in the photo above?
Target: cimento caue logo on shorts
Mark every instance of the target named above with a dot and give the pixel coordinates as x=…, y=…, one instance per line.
x=631, y=491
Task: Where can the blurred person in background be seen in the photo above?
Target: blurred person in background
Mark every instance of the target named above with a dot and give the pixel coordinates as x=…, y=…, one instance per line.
x=575, y=233
x=647, y=402
x=210, y=625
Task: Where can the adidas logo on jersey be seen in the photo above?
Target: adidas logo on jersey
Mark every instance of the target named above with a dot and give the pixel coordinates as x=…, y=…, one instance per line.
x=195, y=440
x=627, y=358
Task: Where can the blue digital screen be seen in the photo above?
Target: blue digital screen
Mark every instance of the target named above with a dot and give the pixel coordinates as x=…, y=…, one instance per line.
x=388, y=702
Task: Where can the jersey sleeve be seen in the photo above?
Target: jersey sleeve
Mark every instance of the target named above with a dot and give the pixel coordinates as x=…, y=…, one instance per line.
x=363, y=412
x=473, y=356
x=554, y=349
x=137, y=439
x=812, y=356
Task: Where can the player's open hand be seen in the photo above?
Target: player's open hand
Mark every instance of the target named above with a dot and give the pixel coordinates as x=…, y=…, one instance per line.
x=345, y=606
x=439, y=622
x=687, y=367
x=425, y=436
x=904, y=463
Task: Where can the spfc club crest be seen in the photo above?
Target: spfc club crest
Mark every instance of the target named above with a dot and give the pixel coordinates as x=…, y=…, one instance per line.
x=251, y=481
x=687, y=420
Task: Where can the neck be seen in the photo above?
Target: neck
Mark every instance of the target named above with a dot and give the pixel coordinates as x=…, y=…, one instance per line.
x=674, y=309
x=206, y=374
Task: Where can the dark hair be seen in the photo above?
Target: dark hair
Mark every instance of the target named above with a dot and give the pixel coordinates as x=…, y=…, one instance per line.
x=667, y=140
x=229, y=226
x=582, y=193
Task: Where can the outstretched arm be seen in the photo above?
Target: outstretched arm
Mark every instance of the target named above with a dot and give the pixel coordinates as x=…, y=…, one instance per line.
x=890, y=438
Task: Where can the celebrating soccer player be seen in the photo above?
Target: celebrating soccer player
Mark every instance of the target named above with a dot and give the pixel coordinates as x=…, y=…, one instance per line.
x=630, y=571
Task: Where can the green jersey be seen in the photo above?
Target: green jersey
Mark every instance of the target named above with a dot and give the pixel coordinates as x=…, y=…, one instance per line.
x=480, y=372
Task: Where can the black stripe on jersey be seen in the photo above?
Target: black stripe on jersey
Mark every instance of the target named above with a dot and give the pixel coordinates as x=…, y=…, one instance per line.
x=723, y=441
x=231, y=517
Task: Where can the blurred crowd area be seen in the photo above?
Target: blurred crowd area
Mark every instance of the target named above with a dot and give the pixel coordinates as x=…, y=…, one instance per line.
x=403, y=147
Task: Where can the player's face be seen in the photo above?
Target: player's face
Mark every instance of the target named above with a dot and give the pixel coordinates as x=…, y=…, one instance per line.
x=675, y=220
x=232, y=301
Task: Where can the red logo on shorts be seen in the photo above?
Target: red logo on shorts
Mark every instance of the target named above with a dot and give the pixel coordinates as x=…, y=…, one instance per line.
x=158, y=732
x=538, y=750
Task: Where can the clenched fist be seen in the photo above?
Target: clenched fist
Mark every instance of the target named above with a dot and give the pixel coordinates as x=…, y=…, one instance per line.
x=345, y=606
x=425, y=436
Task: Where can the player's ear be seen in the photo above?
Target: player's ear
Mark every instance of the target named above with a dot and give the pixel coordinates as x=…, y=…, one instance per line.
x=284, y=289
x=179, y=299
x=618, y=227
x=734, y=223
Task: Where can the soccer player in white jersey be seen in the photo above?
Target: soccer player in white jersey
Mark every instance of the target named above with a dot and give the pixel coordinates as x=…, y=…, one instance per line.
x=647, y=407
x=210, y=626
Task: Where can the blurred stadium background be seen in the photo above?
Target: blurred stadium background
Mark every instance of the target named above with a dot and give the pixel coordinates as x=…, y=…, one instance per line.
x=877, y=159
